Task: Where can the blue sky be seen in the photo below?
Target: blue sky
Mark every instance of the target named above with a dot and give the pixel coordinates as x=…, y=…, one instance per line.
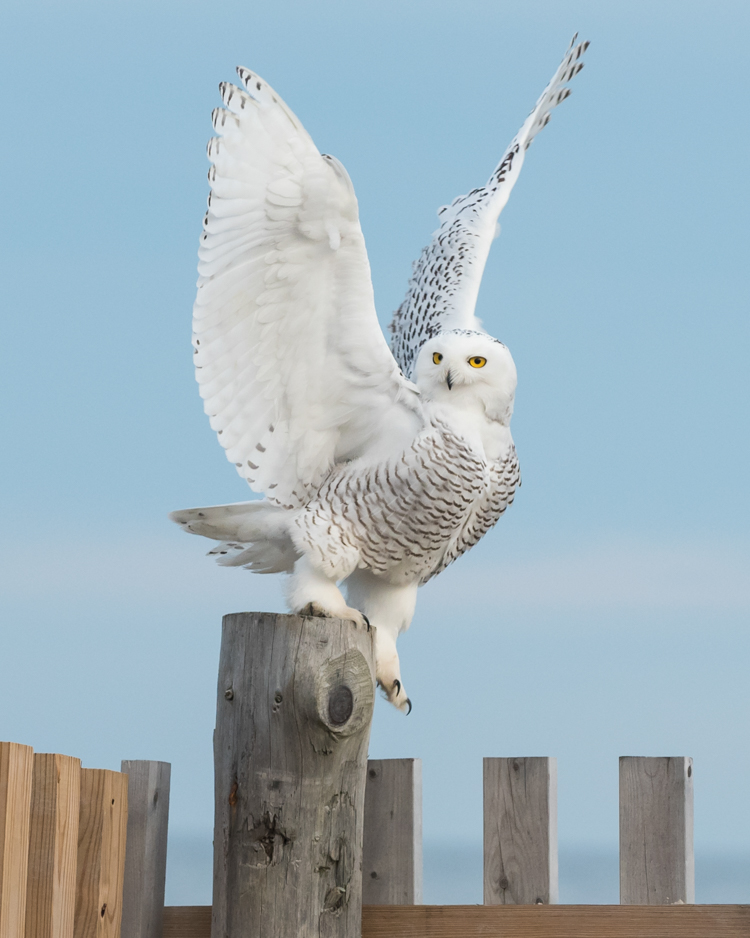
x=608, y=612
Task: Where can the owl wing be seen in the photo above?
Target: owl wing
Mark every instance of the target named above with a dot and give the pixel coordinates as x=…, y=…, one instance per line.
x=293, y=367
x=443, y=289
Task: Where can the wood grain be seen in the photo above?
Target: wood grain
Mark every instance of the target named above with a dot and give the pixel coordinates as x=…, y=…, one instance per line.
x=392, y=853
x=656, y=831
x=520, y=831
x=508, y=921
x=295, y=700
x=187, y=921
x=16, y=770
x=146, y=855
x=102, y=830
x=53, y=846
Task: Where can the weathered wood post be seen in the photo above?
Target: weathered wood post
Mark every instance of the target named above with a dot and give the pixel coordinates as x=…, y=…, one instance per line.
x=295, y=700
x=146, y=854
x=520, y=831
x=657, y=865
x=392, y=853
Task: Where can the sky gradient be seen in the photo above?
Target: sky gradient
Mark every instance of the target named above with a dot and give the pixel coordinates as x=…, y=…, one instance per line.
x=607, y=614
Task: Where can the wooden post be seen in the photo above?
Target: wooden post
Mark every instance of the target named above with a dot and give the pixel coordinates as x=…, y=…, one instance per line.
x=392, y=864
x=102, y=829
x=16, y=767
x=146, y=853
x=53, y=846
x=295, y=701
x=657, y=865
x=520, y=831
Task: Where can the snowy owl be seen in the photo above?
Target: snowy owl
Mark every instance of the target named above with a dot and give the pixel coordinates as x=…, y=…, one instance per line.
x=378, y=466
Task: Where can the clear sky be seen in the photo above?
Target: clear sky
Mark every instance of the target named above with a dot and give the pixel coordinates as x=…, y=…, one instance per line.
x=607, y=614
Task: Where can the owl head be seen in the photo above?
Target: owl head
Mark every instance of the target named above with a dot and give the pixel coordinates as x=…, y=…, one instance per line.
x=463, y=367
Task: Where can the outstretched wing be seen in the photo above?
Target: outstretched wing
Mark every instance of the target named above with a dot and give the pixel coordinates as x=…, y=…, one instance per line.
x=293, y=367
x=443, y=289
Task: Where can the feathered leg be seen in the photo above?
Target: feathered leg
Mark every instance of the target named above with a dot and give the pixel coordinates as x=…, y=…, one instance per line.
x=390, y=609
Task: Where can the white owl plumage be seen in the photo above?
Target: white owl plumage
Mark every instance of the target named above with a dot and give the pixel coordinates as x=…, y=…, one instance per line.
x=378, y=468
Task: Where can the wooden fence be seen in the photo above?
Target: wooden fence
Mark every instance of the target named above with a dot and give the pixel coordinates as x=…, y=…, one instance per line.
x=65, y=871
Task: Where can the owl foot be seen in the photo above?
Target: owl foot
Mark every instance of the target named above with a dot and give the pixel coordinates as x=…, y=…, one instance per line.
x=316, y=609
x=311, y=593
x=396, y=695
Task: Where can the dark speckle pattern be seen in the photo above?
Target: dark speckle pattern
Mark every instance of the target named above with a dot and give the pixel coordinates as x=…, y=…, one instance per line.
x=445, y=280
x=410, y=516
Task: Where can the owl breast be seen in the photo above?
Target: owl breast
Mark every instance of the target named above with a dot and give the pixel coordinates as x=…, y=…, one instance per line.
x=410, y=515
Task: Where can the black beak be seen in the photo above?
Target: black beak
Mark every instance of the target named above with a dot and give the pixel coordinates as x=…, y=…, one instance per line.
x=448, y=380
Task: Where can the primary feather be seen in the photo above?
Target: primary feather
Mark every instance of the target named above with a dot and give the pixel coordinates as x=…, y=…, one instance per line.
x=292, y=364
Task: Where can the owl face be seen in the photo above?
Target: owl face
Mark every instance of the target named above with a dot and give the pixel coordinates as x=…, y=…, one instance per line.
x=463, y=365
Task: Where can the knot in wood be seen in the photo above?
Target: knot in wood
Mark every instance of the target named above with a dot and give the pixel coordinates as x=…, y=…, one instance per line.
x=334, y=899
x=340, y=704
x=268, y=833
x=344, y=697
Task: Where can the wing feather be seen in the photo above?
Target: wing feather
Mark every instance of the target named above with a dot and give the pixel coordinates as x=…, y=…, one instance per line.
x=294, y=370
x=444, y=286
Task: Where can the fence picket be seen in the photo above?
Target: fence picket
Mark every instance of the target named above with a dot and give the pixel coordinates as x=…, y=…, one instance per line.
x=520, y=831
x=63, y=850
x=146, y=855
x=392, y=855
x=101, y=853
x=16, y=768
x=657, y=866
x=53, y=846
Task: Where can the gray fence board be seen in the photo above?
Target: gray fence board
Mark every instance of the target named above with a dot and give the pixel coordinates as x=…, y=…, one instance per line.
x=146, y=848
x=392, y=860
x=656, y=830
x=520, y=831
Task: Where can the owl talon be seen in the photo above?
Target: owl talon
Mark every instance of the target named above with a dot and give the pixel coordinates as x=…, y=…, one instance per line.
x=367, y=622
x=409, y=710
x=397, y=685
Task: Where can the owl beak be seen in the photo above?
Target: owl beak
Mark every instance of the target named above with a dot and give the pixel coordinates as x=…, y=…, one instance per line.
x=449, y=380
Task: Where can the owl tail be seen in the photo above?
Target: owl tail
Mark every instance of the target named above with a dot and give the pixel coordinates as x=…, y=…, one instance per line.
x=254, y=535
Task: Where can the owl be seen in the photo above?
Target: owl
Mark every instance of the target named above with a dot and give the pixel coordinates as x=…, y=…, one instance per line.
x=378, y=466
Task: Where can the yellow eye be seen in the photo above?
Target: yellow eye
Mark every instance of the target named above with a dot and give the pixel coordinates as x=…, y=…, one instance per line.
x=477, y=361
x=437, y=358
